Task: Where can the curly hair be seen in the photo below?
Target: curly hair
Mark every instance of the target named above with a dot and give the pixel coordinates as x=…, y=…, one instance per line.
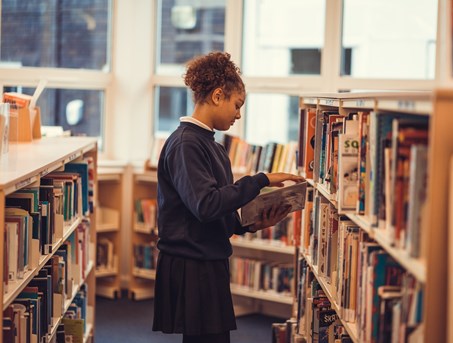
x=208, y=72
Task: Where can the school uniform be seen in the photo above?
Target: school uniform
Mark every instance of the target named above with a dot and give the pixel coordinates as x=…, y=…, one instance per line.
x=197, y=214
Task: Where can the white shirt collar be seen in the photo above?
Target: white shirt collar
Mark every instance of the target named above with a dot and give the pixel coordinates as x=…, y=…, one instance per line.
x=192, y=120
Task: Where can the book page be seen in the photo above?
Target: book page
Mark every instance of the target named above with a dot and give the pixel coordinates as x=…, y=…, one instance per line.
x=293, y=195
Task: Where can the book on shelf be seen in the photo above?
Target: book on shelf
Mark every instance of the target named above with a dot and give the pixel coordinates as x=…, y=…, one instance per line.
x=309, y=144
x=348, y=174
x=307, y=220
x=417, y=195
x=81, y=168
x=105, y=254
x=292, y=195
x=145, y=255
x=406, y=133
x=267, y=158
x=324, y=215
x=301, y=139
x=363, y=164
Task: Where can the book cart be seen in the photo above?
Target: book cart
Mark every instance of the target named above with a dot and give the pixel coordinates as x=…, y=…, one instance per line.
x=27, y=168
x=111, y=182
x=143, y=234
x=416, y=253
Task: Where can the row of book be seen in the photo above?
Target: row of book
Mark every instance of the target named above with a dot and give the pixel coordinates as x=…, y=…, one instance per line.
x=106, y=260
x=146, y=215
x=317, y=320
x=259, y=275
x=34, y=313
x=145, y=255
x=371, y=163
x=247, y=158
x=359, y=275
x=36, y=217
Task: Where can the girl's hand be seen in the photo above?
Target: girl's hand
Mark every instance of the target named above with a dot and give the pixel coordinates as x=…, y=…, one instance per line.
x=277, y=179
x=272, y=216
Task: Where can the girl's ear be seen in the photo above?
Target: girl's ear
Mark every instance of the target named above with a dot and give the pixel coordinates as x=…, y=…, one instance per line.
x=216, y=95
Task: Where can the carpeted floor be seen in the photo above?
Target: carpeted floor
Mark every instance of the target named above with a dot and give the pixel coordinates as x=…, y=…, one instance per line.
x=124, y=320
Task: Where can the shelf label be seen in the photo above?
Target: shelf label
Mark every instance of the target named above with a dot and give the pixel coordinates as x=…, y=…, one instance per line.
x=406, y=105
x=23, y=183
x=44, y=172
x=360, y=103
x=72, y=157
x=310, y=101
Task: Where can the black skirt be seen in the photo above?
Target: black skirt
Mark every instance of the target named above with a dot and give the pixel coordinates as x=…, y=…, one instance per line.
x=192, y=297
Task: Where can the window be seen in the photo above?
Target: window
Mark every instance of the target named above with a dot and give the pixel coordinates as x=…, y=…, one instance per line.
x=66, y=43
x=271, y=42
x=390, y=40
x=271, y=117
x=57, y=34
x=171, y=104
x=187, y=28
x=76, y=110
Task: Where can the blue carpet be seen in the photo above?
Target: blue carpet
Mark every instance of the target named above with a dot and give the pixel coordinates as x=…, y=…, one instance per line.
x=124, y=320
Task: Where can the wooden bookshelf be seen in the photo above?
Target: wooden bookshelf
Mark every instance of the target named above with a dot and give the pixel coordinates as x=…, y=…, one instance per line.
x=24, y=166
x=436, y=232
x=141, y=280
x=430, y=269
x=450, y=254
x=111, y=175
x=247, y=300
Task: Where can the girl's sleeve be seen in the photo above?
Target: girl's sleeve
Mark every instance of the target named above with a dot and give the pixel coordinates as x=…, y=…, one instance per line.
x=192, y=176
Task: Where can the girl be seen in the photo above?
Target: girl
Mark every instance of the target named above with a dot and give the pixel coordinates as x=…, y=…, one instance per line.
x=197, y=208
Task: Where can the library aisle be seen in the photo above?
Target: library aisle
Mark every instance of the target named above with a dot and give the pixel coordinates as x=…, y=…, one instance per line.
x=126, y=320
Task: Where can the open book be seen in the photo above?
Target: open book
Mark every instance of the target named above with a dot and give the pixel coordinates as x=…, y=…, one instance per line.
x=292, y=194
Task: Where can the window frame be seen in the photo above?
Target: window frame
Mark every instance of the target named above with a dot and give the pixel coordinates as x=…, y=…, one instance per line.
x=68, y=78
x=330, y=79
x=124, y=16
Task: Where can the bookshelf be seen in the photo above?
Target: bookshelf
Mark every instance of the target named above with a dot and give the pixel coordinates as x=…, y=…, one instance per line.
x=262, y=255
x=248, y=299
x=143, y=234
x=424, y=268
x=450, y=252
x=270, y=250
x=109, y=230
x=27, y=167
x=441, y=149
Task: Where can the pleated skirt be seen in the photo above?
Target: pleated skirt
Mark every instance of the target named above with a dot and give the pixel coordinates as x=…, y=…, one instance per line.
x=192, y=297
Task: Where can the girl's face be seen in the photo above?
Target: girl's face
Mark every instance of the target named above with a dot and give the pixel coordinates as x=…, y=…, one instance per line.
x=229, y=111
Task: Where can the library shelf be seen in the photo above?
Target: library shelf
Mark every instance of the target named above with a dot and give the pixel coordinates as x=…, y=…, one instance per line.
x=351, y=328
x=143, y=233
x=428, y=269
x=286, y=299
x=24, y=167
x=263, y=245
x=111, y=190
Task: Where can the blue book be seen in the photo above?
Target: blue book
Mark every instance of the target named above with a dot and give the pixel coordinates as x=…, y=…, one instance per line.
x=385, y=272
x=81, y=168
